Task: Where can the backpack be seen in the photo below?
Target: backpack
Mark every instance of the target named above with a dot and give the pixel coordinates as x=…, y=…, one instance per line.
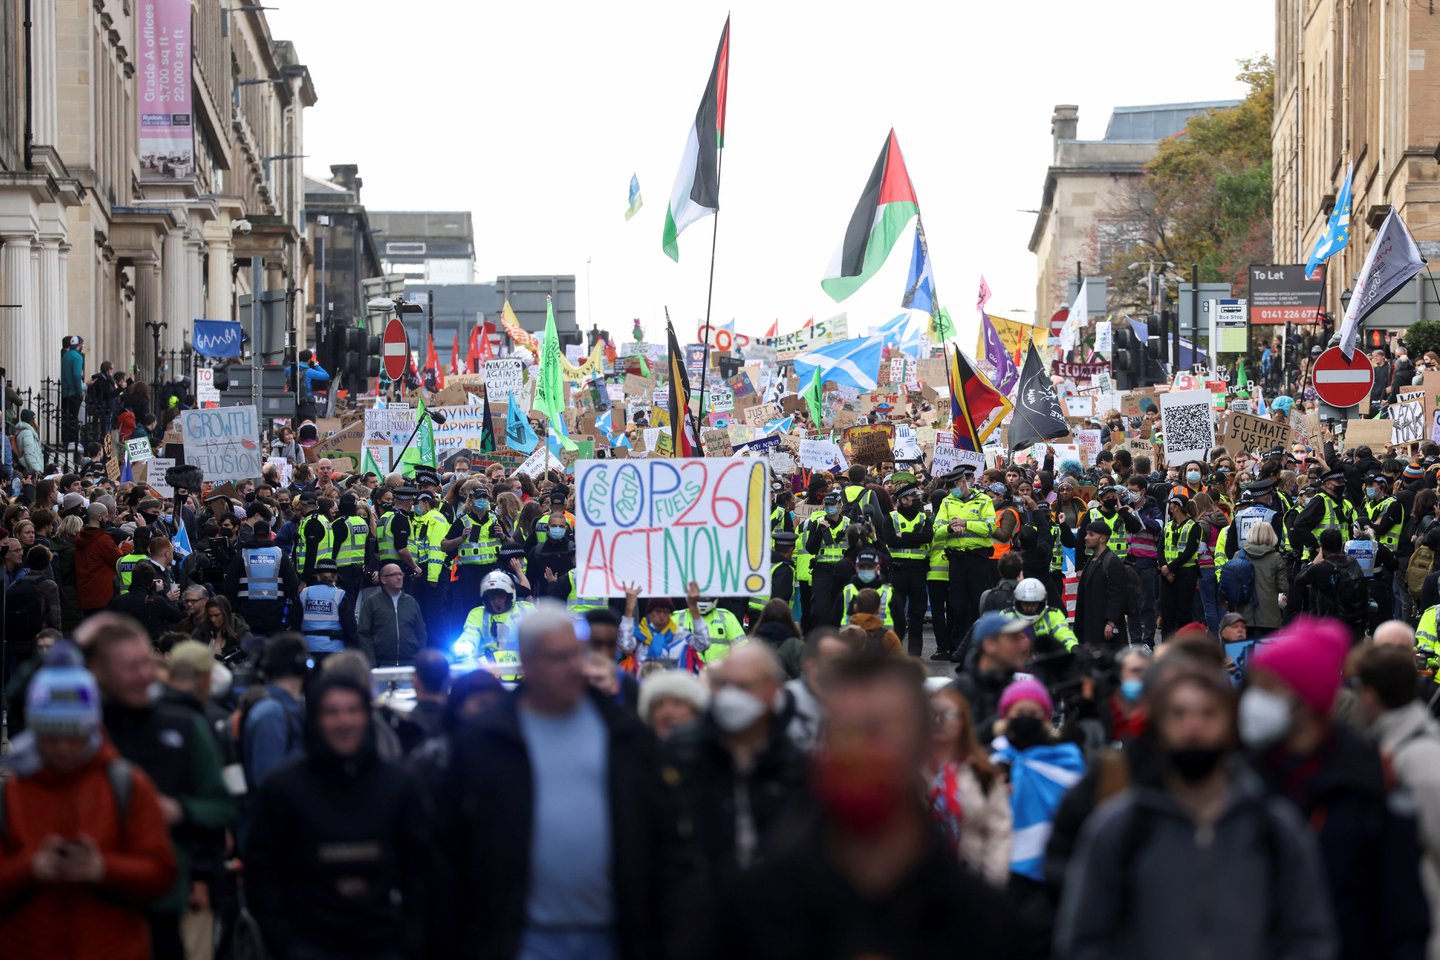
x=1237, y=581
x=1350, y=592
x=231, y=733
x=1422, y=561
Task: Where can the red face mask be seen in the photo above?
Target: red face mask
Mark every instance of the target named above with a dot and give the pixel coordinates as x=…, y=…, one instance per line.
x=858, y=786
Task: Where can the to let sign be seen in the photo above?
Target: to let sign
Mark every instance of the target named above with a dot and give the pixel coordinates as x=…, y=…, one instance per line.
x=1279, y=293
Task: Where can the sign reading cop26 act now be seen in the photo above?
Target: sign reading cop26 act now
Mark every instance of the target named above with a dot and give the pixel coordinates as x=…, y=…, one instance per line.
x=664, y=523
x=224, y=442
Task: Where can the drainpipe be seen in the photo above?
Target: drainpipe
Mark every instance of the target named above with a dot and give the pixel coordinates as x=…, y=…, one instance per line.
x=29, y=90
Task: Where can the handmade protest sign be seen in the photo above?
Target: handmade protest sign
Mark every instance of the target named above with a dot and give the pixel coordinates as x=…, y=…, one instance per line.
x=503, y=377
x=223, y=442
x=1407, y=421
x=138, y=450
x=664, y=523
x=155, y=476
x=871, y=444
x=1253, y=434
x=1188, y=426
x=821, y=455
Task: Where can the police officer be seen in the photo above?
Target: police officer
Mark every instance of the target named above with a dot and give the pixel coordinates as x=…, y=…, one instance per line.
x=1255, y=507
x=327, y=612
x=963, y=525
x=313, y=541
x=262, y=581
x=139, y=551
x=937, y=585
x=393, y=544
x=1119, y=518
x=490, y=632
x=868, y=576
x=474, y=541
x=707, y=627
x=350, y=539
x=1049, y=624
x=1385, y=514
x=428, y=527
x=1180, y=567
x=1329, y=510
x=827, y=541
x=909, y=540
x=782, y=574
x=782, y=514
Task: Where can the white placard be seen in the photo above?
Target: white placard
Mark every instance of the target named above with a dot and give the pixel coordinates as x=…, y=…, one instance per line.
x=205, y=391
x=822, y=455
x=155, y=475
x=1187, y=426
x=223, y=442
x=138, y=450
x=504, y=377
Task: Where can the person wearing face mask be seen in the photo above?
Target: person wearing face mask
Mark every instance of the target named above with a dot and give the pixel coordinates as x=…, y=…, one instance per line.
x=868, y=576
x=1192, y=480
x=428, y=528
x=474, y=541
x=1329, y=510
x=1103, y=594
x=1180, y=570
x=653, y=636
x=782, y=576
x=826, y=541
x=963, y=525
x=738, y=772
x=908, y=538
x=1199, y=842
x=870, y=875
x=708, y=628
x=1386, y=515
x=1122, y=521
x=352, y=537
x=1368, y=845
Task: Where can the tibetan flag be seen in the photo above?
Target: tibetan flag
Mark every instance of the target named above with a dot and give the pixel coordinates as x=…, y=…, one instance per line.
x=973, y=402
x=455, y=356
x=487, y=428
x=1336, y=235
x=550, y=386
x=519, y=435
x=681, y=426
x=636, y=202
x=697, y=186
x=886, y=206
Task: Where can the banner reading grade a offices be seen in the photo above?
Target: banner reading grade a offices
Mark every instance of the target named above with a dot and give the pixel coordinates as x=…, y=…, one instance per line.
x=664, y=523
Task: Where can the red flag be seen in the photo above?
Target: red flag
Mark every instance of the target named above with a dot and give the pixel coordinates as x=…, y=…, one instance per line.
x=455, y=356
x=472, y=351
x=808, y=324
x=432, y=363
x=487, y=352
x=774, y=330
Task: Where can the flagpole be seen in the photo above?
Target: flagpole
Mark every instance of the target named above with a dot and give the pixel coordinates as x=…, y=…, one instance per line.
x=710, y=289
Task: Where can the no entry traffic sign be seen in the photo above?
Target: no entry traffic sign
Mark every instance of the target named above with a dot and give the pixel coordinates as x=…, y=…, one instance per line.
x=1340, y=382
x=396, y=349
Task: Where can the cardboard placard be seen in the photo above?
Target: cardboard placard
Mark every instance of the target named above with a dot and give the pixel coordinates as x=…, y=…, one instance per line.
x=1247, y=433
x=871, y=444
x=1407, y=421
x=1366, y=433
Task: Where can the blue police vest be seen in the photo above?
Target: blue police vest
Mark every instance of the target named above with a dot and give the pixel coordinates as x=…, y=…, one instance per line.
x=321, y=621
x=1245, y=520
x=262, y=574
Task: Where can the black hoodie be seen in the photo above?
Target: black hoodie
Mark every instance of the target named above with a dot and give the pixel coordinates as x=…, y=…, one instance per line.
x=340, y=854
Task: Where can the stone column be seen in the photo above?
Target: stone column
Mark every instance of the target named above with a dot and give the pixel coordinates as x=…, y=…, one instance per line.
x=46, y=118
x=16, y=348
x=50, y=299
x=147, y=308
x=176, y=268
x=195, y=254
x=219, y=303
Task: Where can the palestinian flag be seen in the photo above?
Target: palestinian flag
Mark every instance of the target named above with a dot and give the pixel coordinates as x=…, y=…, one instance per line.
x=885, y=207
x=973, y=401
x=682, y=429
x=697, y=186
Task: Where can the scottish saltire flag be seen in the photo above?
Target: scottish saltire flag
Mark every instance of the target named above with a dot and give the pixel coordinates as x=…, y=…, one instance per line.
x=1005, y=371
x=854, y=363
x=920, y=284
x=895, y=326
x=636, y=202
x=1336, y=235
x=777, y=426
x=1039, y=779
x=181, y=540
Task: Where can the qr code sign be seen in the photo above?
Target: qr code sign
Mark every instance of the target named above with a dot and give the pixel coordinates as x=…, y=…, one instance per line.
x=1189, y=430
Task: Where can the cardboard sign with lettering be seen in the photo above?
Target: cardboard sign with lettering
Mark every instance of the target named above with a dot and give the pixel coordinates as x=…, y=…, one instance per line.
x=1407, y=421
x=760, y=415
x=1251, y=434
x=871, y=444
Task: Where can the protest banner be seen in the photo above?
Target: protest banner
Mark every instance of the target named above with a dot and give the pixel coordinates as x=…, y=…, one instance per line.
x=871, y=444
x=1079, y=407
x=223, y=442
x=666, y=523
x=821, y=331
x=205, y=390
x=1089, y=443
x=760, y=415
x=719, y=398
x=1252, y=434
x=155, y=475
x=821, y=455
x=1407, y=421
x=504, y=377
x=538, y=462
x=907, y=444
x=463, y=428
x=716, y=443
x=390, y=424
x=1079, y=371
x=138, y=450
x=1188, y=426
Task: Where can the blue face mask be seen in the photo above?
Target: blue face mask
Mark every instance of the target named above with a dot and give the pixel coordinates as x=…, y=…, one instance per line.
x=867, y=576
x=831, y=510
x=482, y=505
x=959, y=492
x=1131, y=689
x=558, y=533
x=1373, y=493
x=1193, y=476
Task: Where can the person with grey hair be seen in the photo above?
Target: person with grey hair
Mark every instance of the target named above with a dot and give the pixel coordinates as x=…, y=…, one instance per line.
x=671, y=699
x=738, y=772
x=591, y=862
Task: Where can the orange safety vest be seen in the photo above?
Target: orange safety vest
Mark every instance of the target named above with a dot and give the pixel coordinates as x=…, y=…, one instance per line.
x=1003, y=548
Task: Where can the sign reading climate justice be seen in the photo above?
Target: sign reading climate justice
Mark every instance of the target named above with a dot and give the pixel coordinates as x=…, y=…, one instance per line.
x=664, y=523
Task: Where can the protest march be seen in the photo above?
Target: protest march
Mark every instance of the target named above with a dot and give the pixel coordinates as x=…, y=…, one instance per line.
x=1110, y=631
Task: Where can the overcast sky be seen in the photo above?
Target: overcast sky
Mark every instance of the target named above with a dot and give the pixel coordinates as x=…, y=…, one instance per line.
x=533, y=116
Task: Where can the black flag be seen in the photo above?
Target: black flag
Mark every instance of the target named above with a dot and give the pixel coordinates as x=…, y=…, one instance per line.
x=1038, y=416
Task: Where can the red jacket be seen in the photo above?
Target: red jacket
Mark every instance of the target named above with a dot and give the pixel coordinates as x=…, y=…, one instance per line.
x=96, y=554
x=67, y=921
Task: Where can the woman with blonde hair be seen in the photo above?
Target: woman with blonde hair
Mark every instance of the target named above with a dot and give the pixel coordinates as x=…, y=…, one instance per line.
x=968, y=795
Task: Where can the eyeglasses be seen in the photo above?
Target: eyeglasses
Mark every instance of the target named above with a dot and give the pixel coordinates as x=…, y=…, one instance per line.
x=944, y=716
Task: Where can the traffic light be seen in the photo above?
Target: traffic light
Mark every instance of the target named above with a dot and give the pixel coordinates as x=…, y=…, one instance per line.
x=362, y=359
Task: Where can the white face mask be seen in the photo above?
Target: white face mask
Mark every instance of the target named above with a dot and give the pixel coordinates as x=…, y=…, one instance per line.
x=734, y=709
x=704, y=606
x=1264, y=718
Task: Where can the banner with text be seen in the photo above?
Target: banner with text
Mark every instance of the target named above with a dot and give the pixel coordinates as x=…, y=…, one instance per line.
x=224, y=442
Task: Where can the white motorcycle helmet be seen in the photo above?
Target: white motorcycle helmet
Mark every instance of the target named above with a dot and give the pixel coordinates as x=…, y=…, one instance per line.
x=1030, y=598
x=496, y=580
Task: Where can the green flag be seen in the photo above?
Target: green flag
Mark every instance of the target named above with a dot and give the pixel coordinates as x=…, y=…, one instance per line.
x=368, y=464
x=421, y=452
x=814, y=395
x=942, y=328
x=550, y=387
x=1241, y=381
